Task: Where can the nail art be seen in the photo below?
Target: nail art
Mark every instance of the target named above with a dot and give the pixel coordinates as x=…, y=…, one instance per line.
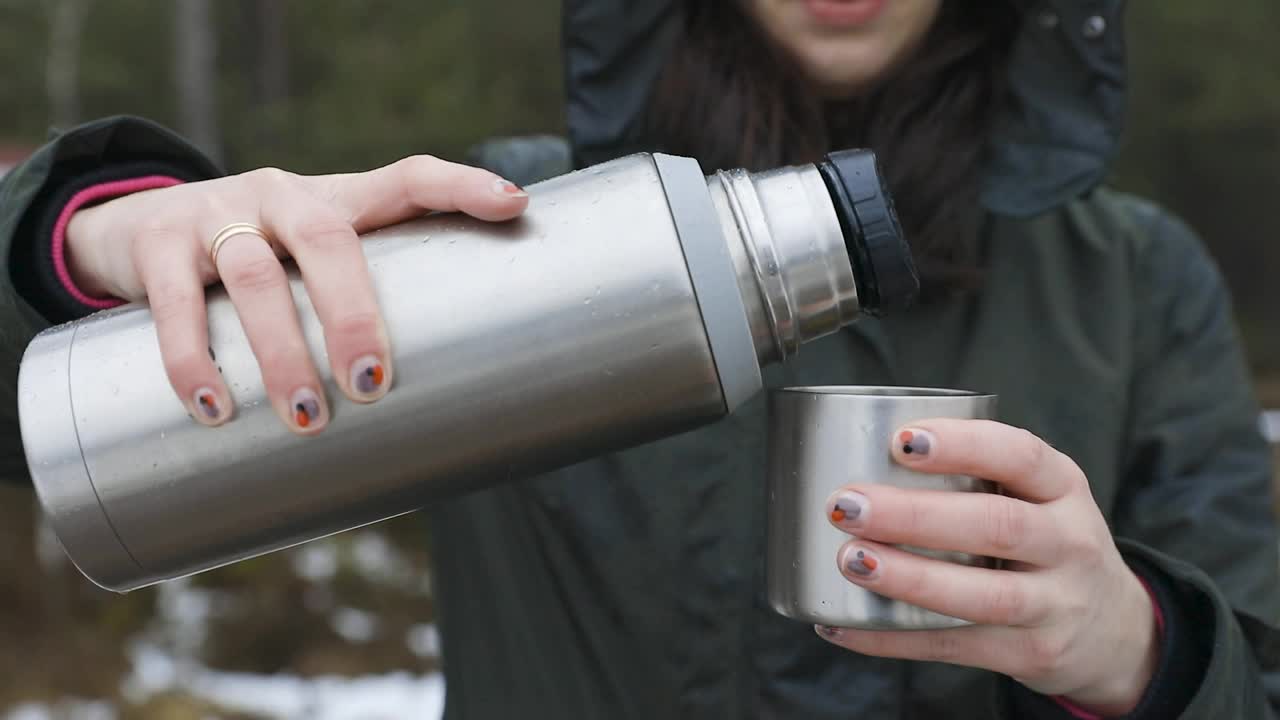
x=207, y=403
x=508, y=188
x=305, y=406
x=862, y=563
x=367, y=375
x=849, y=509
x=915, y=442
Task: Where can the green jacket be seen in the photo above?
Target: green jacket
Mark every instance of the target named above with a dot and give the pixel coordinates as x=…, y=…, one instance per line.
x=632, y=585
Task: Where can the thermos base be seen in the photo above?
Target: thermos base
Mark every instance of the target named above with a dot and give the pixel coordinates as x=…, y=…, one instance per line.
x=58, y=472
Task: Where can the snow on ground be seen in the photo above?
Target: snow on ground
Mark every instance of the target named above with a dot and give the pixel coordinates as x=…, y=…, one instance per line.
x=270, y=697
x=69, y=709
x=1271, y=426
x=165, y=656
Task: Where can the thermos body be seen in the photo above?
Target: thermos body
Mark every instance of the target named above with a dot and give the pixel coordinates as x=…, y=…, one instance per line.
x=634, y=300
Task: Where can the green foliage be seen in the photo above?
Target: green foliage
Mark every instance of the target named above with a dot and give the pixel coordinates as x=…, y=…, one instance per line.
x=1204, y=140
x=370, y=81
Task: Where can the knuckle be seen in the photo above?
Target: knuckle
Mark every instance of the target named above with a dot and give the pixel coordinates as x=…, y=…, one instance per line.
x=324, y=234
x=1079, y=481
x=915, y=520
x=186, y=365
x=1083, y=547
x=414, y=174
x=1075, y=608
x=1031, y=451
x=283, y=358
x=170, y=301
x=1079, y=543
x=1045, y=653
x=255, y=275
x=942, y=647
x=1007, y=526
x=1005, y=603
x=157, y=232
x=916, y=584
x=270, y=176
x=419, y=163
x=355, y=326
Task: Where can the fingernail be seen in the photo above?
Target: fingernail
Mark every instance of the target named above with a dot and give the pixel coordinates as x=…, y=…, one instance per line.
x=862, y=563
x=827, y=631
x=506, y=188
x=305, y=407
x=916, y=442
x=368, y=377
x=206, y=403
x=849, y=509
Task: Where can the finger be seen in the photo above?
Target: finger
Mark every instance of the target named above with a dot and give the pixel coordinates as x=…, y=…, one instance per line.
x=336, y=274
x=975, y=523
x=989, y=648
x=414, y=185
x=165, y=264
x=1023, y=464
x=258, y=288
x=980, y=595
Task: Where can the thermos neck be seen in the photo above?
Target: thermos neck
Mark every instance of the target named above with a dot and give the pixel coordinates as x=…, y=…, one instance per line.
x=791, y=251
x=818, y=245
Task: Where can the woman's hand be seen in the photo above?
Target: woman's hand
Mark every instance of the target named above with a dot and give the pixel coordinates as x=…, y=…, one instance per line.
x=155, y=245
x=1065, y=617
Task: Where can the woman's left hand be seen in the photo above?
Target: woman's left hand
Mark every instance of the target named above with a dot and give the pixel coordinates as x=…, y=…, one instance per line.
x=1066, y=616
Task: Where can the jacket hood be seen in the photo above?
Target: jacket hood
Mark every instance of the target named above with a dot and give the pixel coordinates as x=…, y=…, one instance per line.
x=1066, y=73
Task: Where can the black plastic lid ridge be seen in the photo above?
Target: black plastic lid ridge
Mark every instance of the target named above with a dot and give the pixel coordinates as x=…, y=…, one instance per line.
x=883, y=268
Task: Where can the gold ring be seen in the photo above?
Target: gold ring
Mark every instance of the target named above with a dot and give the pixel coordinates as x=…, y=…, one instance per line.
x=236, y=229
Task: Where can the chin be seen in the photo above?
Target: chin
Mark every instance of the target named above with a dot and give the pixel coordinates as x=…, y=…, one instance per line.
x=846, y=69
x=846, y=46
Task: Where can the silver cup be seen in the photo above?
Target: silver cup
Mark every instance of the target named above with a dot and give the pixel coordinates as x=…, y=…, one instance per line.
x=821, y=439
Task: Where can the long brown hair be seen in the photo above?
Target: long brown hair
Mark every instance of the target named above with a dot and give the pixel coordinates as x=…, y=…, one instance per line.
x=730, y=97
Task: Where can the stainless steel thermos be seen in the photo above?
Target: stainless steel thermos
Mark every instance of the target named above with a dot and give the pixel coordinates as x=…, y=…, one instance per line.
x=635, y=299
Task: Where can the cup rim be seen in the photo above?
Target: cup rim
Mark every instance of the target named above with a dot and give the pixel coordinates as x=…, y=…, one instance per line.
x=889, y=391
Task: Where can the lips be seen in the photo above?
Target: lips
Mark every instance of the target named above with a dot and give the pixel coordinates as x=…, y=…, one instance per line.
x=844, y=13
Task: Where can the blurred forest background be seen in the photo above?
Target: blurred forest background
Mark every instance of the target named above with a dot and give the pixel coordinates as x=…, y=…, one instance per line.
x=342, y=628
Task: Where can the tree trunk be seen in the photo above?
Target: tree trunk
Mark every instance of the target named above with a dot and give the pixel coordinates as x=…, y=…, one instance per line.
x=272, y=81
x=62, y=71
x=195, y=73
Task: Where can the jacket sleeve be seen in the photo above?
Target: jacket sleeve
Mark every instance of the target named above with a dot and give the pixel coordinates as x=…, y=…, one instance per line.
x=1196, y=507
x=33, y=192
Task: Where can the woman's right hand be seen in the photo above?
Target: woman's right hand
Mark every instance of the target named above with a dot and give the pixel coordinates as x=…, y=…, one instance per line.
x=155, y=245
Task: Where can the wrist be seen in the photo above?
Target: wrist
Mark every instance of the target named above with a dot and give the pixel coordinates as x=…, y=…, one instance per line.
x=80, y=252
x=82, y=233
x=1135, y=653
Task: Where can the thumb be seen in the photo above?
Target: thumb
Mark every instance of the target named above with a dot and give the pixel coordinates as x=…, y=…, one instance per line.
x=410, y=187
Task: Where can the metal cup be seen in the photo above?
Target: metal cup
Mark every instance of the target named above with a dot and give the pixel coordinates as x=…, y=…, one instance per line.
x=821, y=439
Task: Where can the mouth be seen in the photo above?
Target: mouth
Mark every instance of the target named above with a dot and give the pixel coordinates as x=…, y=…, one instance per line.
x=844, y=13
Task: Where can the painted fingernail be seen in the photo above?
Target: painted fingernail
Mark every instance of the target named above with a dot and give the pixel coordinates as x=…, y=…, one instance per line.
x=206, y=402
x=368, y=376
x=506, y=188
x=827, y=631
x=916, y=442
x=305, y=407
x=849, y=509
x=862, y=563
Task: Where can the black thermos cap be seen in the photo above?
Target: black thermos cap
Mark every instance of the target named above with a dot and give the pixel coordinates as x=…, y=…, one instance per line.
x=882, y=264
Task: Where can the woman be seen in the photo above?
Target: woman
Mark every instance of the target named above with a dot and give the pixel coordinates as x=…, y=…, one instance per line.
x=1143, y=580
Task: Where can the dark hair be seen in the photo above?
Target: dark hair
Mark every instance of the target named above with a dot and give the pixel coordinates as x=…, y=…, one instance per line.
x=731, y=97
